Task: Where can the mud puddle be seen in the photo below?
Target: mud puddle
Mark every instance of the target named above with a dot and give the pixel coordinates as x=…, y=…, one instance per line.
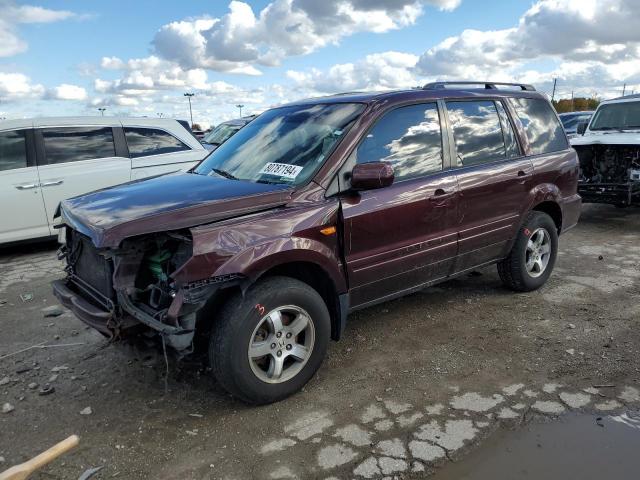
x=576, y=446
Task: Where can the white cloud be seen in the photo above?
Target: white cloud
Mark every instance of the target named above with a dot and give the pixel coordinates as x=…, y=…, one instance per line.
x=565, y=30
x=66, y=91
x=15, y=86
x=12, y=15
x=379, y=71
x=575, y=42
x=142, y=76
x=242, y=39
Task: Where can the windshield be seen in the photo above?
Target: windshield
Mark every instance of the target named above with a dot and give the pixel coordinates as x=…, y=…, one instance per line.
x=220, y=134
x=617, y=116
x=283, y=145
x=570, y=122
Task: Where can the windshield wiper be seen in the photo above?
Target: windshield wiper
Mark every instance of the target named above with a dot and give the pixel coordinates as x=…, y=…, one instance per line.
x=224, y=174
x=269, y=182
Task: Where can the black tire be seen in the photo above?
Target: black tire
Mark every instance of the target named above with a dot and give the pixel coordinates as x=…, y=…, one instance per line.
x=235, y=325
x=513, y=269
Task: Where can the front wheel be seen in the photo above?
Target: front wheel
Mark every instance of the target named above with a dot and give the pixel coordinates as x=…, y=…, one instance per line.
x=267, y=344
x=533, y=255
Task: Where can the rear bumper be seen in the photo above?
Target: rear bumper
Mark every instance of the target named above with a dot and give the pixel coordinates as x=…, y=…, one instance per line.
x=613, y=193
x=93, y=316
x=571, y=207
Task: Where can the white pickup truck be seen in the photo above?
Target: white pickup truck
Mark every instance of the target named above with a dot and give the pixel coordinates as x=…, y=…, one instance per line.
x=609, y=151
x=46, y=160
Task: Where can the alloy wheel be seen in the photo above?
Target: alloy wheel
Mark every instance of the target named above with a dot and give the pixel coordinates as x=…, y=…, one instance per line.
x=281, y=344
x=538, y=252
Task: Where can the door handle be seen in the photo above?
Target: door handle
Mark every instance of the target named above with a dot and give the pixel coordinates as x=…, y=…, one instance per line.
x=523, y=176
x=441, y=194
x=51, y=184
x=27, y=186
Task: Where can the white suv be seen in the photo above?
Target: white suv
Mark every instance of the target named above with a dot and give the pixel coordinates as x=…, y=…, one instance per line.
x=609, y=151
x=46, y=160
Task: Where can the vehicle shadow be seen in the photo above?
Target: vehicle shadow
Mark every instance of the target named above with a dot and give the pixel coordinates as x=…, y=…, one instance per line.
x=606, y=215
x=28, y=247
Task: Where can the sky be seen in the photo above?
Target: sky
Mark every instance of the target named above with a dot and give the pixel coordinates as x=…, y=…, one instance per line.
x=138, y=58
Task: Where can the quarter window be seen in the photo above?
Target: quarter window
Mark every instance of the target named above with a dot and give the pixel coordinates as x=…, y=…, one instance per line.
x=477, y=132
x=143, y=142
x=510, y=142
x=74, y=144
x=13, y=150
x=409, y=138
x=541, y=125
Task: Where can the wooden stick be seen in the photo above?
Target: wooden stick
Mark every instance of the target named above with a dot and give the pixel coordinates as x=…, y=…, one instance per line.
x=22, y=471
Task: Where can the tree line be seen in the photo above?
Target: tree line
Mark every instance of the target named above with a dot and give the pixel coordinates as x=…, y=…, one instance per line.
x=575, y=105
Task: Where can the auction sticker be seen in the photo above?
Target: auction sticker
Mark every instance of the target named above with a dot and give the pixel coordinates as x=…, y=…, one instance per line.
x=282, y=170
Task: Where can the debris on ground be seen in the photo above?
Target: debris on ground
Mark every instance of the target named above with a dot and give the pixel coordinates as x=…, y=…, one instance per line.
x=52, y=311
x=26, y=297
x=46, y=390
x=90, y=473
x=7, y=407
x=86, y=411
x=4, y=381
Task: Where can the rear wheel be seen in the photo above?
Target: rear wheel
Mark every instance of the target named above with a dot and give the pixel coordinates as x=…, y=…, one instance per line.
x=267, y=344
x=532, y=256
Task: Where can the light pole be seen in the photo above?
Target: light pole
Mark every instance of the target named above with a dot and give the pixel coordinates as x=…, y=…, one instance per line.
x=240, y=107
x=189, y=95
x=102, y=109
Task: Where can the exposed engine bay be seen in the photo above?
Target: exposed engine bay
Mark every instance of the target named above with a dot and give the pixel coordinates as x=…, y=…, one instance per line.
x=609, y=163
x=130, y=288
x=609, y=174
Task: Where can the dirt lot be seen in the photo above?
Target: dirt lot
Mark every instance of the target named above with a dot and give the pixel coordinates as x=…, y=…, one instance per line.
x=415, y=383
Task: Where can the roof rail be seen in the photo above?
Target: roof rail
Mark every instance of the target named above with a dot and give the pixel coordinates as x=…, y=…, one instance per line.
x=487, y=85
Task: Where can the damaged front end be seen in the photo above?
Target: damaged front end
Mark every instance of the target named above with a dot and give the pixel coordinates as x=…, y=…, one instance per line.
x=129, y=289
x=609, y=174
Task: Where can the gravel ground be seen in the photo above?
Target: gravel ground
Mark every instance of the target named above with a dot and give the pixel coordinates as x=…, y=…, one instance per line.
x=415, y=383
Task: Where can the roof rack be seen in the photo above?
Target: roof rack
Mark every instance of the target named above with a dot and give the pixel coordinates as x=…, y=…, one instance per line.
x=487, y=85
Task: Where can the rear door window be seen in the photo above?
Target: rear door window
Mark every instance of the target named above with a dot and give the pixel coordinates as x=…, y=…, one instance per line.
x=541, y=125
x=73, y=144
x=477, y=132
x=409, y=138
x=143, y=142
x=13, y=150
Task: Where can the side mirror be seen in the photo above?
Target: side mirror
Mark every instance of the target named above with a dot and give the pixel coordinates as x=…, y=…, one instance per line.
x=368, y=176
x=581, y=128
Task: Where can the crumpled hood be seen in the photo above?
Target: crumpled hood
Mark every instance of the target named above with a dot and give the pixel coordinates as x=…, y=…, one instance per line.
x=628, y=138
x=167, y=202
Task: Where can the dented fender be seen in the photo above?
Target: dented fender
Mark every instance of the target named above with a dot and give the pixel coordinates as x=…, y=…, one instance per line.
x=256, y=243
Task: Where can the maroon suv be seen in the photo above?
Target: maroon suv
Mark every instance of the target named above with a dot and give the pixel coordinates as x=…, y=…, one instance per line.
x=316, y=209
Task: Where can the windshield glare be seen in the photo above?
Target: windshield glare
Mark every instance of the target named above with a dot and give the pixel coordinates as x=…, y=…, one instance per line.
x=283, y=145
x=218, y=135
x=617, y=116
x=571, y=122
